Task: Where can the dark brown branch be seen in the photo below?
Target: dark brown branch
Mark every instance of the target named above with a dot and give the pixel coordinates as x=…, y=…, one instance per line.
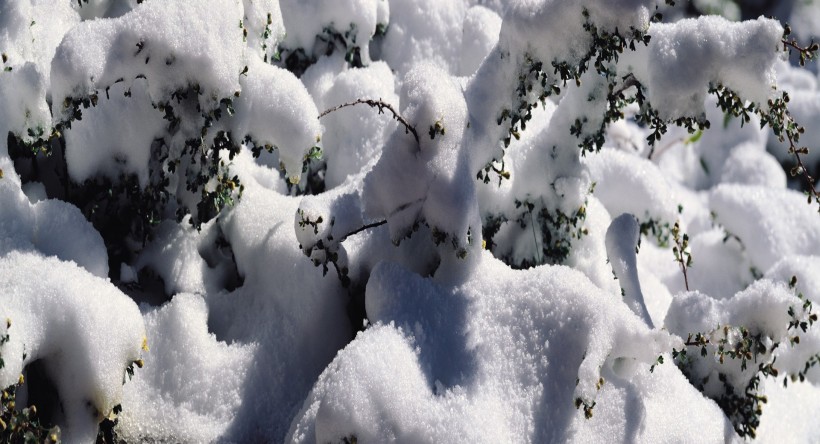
x=685, y=274
x=806, y=53
x=629, y=81
x=363, y=228
x=381, y=105
x=806, y=175
x=501, y=172
x=682, y=257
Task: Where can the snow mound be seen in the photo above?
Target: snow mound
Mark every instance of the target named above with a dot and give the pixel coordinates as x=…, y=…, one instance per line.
x=772, y=223
x=424, y=31
x=52, y=227
x=431, y=179
x=356, y=20
x=626, y=183
x=740, y=56
x=173, y=44
x=276, y=109
x=84, y=330
x=191, y=385
x=494, y=358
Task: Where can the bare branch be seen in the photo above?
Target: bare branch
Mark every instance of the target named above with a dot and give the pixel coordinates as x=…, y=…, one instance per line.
x=363, y=228
x=681, y=251
x=381, y=105
x=802, y=168
x=806, y=53
x=629, y=81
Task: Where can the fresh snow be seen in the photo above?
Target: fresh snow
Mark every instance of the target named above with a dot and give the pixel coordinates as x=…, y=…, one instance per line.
x=369, y=284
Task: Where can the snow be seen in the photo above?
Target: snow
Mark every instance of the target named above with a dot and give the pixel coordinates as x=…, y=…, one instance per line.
x=30, y=32
x=589, y=254
x=184, y=358
x=173, y=44
x=266, y=27
x=740, y=56
x=804, y=18
x=297, y=316
x=24, y=89
x=764, y=304
x=756, y=215
x=276, y=109
x=430, y=180
x=748, y=165
x=83, y=329
x=108, y=141
x=481, y=29
x=174, y=255
x=621, y=242
x=353, y=137
x=369, y=282
x=93, y=9
x=619, y=174
x=52, y=227
x=802, y=88
x=475, y=363
x=714, y=250
x=309, y=18
x=424, y=31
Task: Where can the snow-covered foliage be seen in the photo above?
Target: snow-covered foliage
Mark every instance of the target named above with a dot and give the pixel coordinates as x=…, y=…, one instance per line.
x=400, y=220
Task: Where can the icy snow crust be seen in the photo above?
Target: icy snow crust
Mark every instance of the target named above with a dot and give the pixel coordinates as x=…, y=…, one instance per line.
x=252, y=331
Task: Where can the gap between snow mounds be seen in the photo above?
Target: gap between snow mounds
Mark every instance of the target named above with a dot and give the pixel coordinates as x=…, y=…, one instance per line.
x=280, y=330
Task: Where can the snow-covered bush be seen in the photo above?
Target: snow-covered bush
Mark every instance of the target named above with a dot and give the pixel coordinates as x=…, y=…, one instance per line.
x=399, y=220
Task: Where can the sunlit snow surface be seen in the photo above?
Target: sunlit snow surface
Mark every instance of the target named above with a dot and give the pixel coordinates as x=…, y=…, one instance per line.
x=255, y=344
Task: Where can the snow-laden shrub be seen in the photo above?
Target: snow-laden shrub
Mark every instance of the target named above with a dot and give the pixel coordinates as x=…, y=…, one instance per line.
x=299, y=194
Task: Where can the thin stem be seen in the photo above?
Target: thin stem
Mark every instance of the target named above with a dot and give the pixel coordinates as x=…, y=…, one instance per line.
x=682, y=263
x=629, y=81
x=365, y=227
x=806, y=53
x=535, y=238
x=806, y=175
x=381, y=105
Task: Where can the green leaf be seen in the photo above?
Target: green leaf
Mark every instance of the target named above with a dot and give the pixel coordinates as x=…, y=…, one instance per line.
x=694, y=138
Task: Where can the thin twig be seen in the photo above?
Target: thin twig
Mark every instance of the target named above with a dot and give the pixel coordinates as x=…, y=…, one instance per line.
x=629, y=81
x=534, y=237
x=682, y=257
x=685, y=274
x=806, y=53
x=381, y=105
x=365, y=227
x=806, y=175
x=793, y=44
